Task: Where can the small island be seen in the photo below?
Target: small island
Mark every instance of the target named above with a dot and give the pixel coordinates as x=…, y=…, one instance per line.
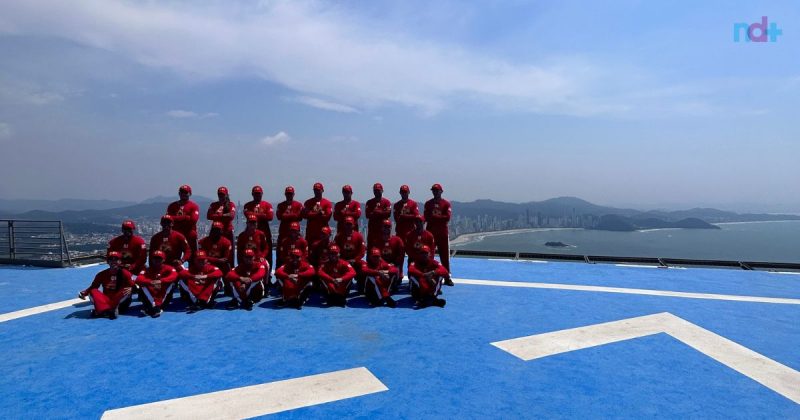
x=615, y=222
x=556, y=244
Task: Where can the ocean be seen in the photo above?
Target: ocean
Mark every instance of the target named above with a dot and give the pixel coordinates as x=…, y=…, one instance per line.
x=751, y=241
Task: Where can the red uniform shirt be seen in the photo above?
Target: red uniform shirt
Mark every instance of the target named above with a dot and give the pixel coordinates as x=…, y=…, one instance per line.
x=134, y=252
x=288, y=212
x=392, y=250
x=376, y=211
x=317, y=213
x=374, y=270
x=329, y=272
x=112, y=280
x=264, y=213
x=256, y=272
x=292, y=288
x=414, y=242
x=318, y=251
x=216, y=213
x=343, y=210
x=288, y=244
x=201, y=283
x=437, y=214
x=404, y=216
x=351, y=247
x=157, y=281
x=184, y=217
x=256, y=240
x=427, y=288
x=174, y=246
x=216, y=251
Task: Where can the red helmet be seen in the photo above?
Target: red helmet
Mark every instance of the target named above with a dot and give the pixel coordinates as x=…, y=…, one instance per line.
x=222, y=190
x=347, y=188
x=318, y=186
x=157, y=254
x=374, y=252
x=257, y=189
x=296, y=252
x=217, y=225
x=437, y=187
x=333, y=249
x=252, y=217
x=404, y=188
x=387, y=223
x=326, y=230
x=289, y=190
x=425, y=249
x=185, y=188
x=294, y=226
x=128, y=224
x=113, y=254
x=201, y=255
x=377, y=186
x=166, y=219
x=249, y=253
x=349, y=220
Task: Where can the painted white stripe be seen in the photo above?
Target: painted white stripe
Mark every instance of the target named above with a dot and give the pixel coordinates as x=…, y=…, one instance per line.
x=259, y=400
x=638, y=266
x=44, y=308
x=623, y=290
x=775, y=376
x=792, y=273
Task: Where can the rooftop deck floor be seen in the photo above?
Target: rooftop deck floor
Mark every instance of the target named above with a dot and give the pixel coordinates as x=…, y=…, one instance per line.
x=435, y=362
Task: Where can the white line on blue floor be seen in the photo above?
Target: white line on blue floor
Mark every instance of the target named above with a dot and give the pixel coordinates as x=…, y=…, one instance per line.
x=44, y=308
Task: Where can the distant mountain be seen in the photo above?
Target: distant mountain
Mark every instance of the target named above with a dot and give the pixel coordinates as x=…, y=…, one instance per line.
x=20, y=206
x=619, y=223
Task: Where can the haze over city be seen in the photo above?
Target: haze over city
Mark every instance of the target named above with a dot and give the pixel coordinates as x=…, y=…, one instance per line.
x=512, y=101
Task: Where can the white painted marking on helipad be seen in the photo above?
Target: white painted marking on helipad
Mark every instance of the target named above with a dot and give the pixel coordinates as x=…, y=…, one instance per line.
x=775, y=376
x=40, y=309
x=791, y=273
x=637, y=266
x=623, y=290
x=259, y=400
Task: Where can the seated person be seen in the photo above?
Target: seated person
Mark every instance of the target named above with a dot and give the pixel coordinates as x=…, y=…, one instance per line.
x=131, y=247
x=117, y=285
x=246, y=281
x=426, y=276
x=336, y=275
x=155, y=285
x=199, y=283
x=295, y=279
x=351, y=244
x=174, y=245
x=218, y=248
x=380, y=277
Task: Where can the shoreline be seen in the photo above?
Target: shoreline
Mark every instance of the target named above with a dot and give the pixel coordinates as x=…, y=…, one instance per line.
x=468, y=238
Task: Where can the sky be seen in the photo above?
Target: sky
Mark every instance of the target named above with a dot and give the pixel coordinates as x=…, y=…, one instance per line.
x=649, y=104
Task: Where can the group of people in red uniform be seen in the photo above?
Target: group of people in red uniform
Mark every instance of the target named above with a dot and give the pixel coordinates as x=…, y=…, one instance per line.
x=200, y=269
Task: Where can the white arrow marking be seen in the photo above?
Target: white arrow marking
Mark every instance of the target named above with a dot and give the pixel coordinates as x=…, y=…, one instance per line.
x=44, y=308
x=775, y=376
x=259, y=400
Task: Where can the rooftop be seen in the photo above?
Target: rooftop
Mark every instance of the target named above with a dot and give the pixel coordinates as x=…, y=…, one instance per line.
x=691, y=342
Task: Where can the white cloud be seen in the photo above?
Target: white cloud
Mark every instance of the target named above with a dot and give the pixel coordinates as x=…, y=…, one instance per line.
x=24, y=92
x=323, y=104
x=5, y=131
x=279, y=138
x=180, y=113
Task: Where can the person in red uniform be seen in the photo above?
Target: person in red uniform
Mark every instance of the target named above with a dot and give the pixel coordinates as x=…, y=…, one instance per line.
x=351, y=248
x=405, y=212
x=418, y=238
x=393, y=251
x=117, y=287
x=254, y=239
x=155, y=285
x=289, y=211
x=380, y=278
x=246, y=282
x=378, y=209
x=437, y=213
x=263, y=211
x=185, y=213
x=295, y=279
x=172, y=243
x=199, y=283
x=336, y=276
x=317, y=211
x=217, y=248
x=223, y=211
x=426, y=276
x=131, y=247
x=346, y=208
x=318, y=251
x=293, y=241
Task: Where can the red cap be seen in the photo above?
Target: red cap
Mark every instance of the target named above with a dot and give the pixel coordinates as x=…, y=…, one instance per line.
x=404, y=188
x=326, y=230
x=113, y=254
x=437, y=187
x=222, y=190
x=128, y=224
x=318, y=186
x=186, y=188
x=374, y=252
x=387, y=223
x=294, y=226
x=249, y=253
x=425, y=249
x=349, y=220
x=252, y=217
x=258, y=189
x=166, y=218
x=296, y=252
x=217, y=225
x=347, y=188
x=333, y=249
x=201, y=255
x=158, y=254
x=289, y=189
x=377, y=186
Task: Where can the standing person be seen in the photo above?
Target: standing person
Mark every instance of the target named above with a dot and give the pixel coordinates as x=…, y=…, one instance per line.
x=117, y=286
x=437, y=213
x=351, y=247
x=185, y=213
x=155, y=285
x=393, y=251
x=405, y=212
x=336, y=276
x=346, y=208
x=253, y=239
x=223, y=211
x=199, y=283
x=380, y=277
x=295, y=279
x=246, y=282
x=418, y=239
x=172, y=243
x=131, y=247
x=218, y=248
x=378, y=209
x=317, y=211
x=289, y=211
x=263, y=211
x=426, y=276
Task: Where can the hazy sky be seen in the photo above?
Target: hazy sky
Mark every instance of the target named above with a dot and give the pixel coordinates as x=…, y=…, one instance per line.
x=643, y=103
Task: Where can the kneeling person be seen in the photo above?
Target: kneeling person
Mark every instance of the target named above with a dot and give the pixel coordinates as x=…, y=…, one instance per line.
x=246, y=281
x=336, y=275
x=155, y=284
x=380, y=278
x=295, y=279
x=117, y=285
x=427, y=276
x=199, y=284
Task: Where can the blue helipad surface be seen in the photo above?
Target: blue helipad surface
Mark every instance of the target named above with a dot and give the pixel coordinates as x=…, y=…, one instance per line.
x=436, y=363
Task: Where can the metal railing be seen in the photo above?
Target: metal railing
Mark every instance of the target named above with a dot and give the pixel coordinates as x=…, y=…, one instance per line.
x=33, y=242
